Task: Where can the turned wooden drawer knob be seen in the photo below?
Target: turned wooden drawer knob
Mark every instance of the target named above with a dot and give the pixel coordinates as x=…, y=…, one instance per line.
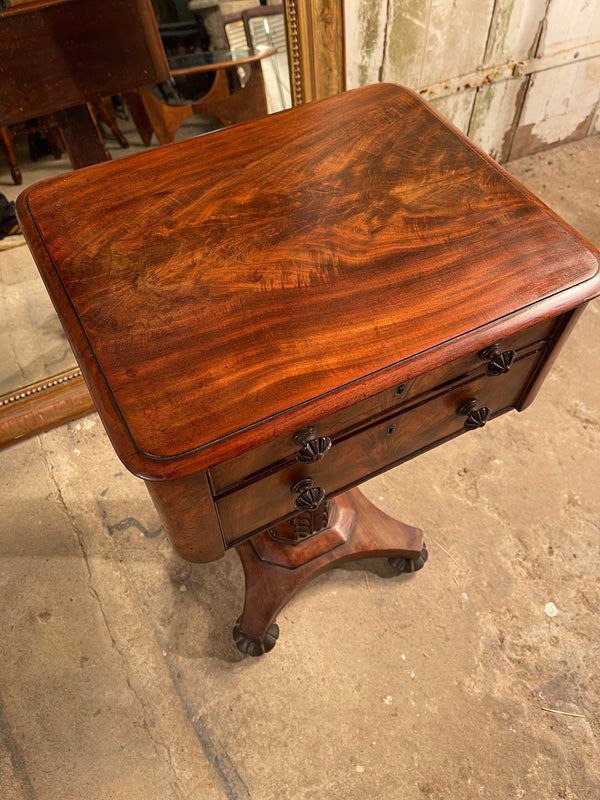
x=309, y=497
x=313, y=447
x=499, y=361
x=314, y=450
x=475, y=417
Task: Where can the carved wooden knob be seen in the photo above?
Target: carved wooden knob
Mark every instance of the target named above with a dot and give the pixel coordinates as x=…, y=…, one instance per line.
x=314, y=450
x=309, y=497
x=499, y=361
x=475, y=417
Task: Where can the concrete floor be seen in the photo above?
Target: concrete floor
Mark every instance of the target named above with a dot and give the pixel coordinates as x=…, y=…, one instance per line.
x=475, y=678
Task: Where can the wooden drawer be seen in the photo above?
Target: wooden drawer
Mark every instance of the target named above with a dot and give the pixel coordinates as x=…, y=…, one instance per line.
x=275, y=454
x=360, y=455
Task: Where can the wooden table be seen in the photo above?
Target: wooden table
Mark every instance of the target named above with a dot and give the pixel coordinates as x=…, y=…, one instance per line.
x=57, y=56
x=229, y=107
x=271, y=314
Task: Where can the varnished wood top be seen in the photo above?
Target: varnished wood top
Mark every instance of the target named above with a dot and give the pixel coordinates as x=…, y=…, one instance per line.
x=230, y=288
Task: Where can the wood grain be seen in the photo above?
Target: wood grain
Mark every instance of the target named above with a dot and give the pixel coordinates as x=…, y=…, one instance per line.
x=225, y=475
x=365, y=532
x=252, y=281
x=186, y=510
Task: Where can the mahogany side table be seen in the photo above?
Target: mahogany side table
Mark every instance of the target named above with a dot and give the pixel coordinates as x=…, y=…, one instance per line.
x=268, y=315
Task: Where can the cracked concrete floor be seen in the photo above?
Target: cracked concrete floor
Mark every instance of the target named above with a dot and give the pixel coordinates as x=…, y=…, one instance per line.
x=476, y=678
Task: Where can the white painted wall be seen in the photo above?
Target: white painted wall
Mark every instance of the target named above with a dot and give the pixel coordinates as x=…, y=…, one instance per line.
x=517, y=76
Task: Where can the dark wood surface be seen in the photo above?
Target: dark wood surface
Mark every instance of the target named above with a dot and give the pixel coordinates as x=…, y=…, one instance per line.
x=282, y=270
x=187, y=511
x=56, y=55
x=362, y=453
x=81, y=136
x=229, y=474
x=355, y=269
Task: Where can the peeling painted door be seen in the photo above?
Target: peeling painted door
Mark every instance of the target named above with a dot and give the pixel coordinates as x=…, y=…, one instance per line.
x=517, y=76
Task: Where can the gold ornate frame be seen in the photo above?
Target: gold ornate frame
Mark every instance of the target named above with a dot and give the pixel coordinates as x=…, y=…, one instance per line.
x=315, y=33
x=315, y=30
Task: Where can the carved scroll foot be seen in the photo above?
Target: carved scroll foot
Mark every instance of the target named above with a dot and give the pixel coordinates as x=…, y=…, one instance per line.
x=255, y=645
x=276, y=570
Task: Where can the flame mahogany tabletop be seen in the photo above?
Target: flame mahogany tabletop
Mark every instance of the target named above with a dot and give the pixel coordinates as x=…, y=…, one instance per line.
x=230, y=287
x=225, y=283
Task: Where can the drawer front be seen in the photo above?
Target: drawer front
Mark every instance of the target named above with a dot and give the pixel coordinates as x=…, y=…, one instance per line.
x=273, y=455
x=371, y=450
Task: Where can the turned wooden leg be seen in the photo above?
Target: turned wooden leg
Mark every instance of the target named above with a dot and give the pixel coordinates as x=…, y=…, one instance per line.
x=139, y=116
x=276, y=565
x=104, y=110
x=165, y=119
x=7, y=144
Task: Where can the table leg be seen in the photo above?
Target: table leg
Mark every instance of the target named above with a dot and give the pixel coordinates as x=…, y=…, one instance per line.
x=275, y=569
x=81, y=136
x=139, y=116
x=247, y=103
x=6, y=142
x=164, y=119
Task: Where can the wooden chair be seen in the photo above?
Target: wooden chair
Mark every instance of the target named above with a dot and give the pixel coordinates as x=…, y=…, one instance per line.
x=43, y=126
x=227, y=106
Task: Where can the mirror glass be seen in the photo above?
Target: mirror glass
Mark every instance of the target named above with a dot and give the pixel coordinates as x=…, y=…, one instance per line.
x=32, y=343
x=191, y=26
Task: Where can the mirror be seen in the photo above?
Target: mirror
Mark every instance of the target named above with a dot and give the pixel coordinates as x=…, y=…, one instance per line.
x=57, y=394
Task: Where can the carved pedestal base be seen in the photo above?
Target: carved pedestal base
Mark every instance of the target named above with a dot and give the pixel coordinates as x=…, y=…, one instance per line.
x=276, y=570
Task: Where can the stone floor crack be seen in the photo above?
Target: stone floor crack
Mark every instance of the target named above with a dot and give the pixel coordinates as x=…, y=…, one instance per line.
x=162, y=750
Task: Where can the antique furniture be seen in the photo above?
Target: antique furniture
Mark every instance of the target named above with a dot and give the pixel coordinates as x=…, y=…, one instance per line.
x=55, y=57
x=43, y=126
x=275, y=312
x=248, y=102
x=47, y=129
x=316, y=57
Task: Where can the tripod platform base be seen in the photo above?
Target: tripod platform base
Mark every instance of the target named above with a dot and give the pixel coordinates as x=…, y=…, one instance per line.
x=275, y=570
